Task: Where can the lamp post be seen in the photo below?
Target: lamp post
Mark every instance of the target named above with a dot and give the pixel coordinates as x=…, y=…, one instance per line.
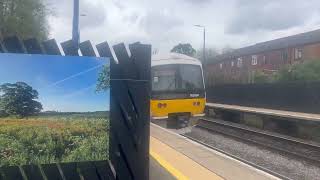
x=204, y=41
x=75, y=27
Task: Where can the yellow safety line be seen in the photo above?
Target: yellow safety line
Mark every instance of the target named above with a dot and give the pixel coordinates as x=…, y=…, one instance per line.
x=176, y=173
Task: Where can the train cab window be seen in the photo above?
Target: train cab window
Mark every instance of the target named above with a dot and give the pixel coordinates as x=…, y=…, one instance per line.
x=164, y=79
x=191, y=77
x=177, y=77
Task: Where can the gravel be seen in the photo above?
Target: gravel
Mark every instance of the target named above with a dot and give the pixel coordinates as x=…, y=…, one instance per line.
x=298, y=148
x=271, y=160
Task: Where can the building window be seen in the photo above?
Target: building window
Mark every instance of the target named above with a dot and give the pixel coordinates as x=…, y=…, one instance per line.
x=239, y=62
x=297, y=53
x=221, y=65
x=254, y=60
x=264, y=60
x=284, y=56
x=232, y=63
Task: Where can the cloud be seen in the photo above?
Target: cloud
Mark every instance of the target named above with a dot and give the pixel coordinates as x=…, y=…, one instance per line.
x=166, y=23
x=73, y=76
x=94, y=14
x=271, y=15
x=197, y=1
x=160, y=22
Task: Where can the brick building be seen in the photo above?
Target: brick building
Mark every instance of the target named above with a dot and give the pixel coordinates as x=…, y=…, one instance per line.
x=238, y=66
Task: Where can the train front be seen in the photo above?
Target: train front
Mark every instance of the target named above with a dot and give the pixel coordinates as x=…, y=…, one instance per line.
x=178, y=92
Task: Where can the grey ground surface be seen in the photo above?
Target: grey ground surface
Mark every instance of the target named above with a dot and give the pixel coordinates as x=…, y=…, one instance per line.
x=157, y=172
x=289, y=167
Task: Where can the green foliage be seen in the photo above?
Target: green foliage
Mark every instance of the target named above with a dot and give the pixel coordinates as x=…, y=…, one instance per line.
x=308, y=71
x=227, y=49
x=25, y=18
x=19, y=99
x=186, y=49
x=260, y=77
x=103, y=82
x=211, y=55
x=44, y=140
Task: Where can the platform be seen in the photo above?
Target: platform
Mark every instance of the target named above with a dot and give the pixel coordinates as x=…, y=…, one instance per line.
x=185, y=159
x=157, y=172
x=270, y=112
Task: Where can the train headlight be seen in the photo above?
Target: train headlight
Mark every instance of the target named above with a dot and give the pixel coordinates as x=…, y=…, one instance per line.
x=196, y=103
x=160, y=105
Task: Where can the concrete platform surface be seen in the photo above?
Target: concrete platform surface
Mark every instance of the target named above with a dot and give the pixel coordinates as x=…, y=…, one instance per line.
x=270, y=112
x=157, y=172
x=179, y=165
x=195, y=161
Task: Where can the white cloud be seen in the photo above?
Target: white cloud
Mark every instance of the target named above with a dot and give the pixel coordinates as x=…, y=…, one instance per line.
x=166, y=23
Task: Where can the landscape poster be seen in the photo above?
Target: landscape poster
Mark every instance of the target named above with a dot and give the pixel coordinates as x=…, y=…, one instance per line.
x=53, y=109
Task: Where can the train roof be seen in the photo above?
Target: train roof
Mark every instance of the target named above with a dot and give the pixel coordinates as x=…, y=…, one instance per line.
x=173, y=58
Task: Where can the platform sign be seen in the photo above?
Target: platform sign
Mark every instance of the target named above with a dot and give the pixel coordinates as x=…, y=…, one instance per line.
x=53, y=109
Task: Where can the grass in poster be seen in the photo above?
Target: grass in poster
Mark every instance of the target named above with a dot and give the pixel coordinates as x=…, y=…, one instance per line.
x=55, y=137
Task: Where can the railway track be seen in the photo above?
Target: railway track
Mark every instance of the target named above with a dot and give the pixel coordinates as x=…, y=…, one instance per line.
x=285, y=145
x=276, y=174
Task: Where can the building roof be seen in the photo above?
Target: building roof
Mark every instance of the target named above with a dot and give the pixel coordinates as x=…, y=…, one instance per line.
x=290, y=41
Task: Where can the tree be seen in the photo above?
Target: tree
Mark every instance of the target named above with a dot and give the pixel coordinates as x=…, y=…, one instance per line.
x=186, y=49
x=103, y=82
x=19, y=99
x=227, y=49
x=24, y=18
x=211, y=55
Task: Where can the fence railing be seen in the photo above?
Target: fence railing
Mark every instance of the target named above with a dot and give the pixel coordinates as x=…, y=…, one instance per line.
x=291, y=96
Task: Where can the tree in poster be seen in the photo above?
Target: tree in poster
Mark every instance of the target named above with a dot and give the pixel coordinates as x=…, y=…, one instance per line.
x=103, y=82
x=19, y=99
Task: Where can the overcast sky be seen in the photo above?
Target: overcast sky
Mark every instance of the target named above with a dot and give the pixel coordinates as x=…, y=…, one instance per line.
x=165, y=23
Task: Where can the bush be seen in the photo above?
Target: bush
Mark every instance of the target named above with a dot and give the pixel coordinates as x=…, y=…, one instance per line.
x=261, y=77
x=308, y=71
x=3, y=114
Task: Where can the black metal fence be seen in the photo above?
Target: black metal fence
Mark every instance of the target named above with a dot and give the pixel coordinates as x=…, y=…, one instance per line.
x=130, y=111
x=129, y=114
x=292, y=96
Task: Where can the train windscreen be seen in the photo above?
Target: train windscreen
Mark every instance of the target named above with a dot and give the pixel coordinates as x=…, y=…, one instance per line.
x=177, y=78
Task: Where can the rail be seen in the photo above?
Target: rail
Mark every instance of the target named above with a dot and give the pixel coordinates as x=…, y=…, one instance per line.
x=289, y=146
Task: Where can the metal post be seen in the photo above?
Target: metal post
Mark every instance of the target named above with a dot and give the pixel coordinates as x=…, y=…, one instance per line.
x=204, y=41
x=75, y=29
x=204, y=44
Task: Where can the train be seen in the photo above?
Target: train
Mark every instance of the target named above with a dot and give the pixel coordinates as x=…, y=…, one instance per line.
x=178, y=90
